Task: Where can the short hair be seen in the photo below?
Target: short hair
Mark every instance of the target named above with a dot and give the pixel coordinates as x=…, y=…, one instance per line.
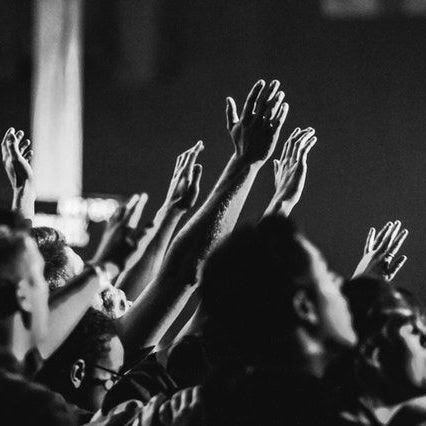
x=88, y=342
x=248, y=283
x=12, y=243
x=52, y=245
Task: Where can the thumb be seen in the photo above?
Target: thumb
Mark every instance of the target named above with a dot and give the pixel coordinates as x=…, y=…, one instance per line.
x=231, y=113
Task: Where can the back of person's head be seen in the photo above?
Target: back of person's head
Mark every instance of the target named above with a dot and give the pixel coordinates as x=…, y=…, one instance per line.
x=266, y=282
x=391, y=356
x=248, y=282
x=247, y=395
x=52, y=246
x=73, y=369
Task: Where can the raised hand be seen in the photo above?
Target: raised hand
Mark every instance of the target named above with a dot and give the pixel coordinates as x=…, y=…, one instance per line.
x=380, y=251
x=185, y=184
x=121, y=237
x=290, y=171
x=183, y=409
x=17, y=155
x=256, y=131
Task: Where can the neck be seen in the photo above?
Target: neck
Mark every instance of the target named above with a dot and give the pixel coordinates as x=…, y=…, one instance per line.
x=15, y=337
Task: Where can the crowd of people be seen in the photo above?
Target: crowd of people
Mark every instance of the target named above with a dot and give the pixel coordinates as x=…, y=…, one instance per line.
x=206, y=324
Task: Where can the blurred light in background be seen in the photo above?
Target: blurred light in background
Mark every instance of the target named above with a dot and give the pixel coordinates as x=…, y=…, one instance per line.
x=57, y=99
x=351, y=8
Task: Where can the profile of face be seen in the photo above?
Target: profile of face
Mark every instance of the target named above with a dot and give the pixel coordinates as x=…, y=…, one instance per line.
x=32, y=290
x=332, y=310
x=93, y=381
x=404, y=360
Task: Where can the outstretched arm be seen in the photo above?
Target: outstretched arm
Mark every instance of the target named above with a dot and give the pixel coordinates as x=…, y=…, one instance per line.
x=69, y=303
x=380, y=251
x=181, y=196
x=17, y=155
x=254, y=134
x=290, y=172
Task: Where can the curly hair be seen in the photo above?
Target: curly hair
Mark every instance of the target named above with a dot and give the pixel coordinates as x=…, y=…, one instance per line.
x=52, y=245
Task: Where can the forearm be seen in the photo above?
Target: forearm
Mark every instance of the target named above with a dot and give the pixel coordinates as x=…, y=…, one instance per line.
x=155, y=309
x=24, y=201
x=280, y=208
x=67, y=307
x=151, y=256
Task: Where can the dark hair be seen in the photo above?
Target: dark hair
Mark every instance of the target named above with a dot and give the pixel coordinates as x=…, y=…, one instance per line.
x=14, y=220
x=248, y=395
x=248, y=284
x=88, y=342
x=52, y=244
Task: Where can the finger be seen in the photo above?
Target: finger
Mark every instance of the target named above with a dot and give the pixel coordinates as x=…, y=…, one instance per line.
x=136, y=211
x=124, y=212
x=288, y=145
x=281, y=117
x=186, y=397
x=231, y=113
x=276, y=167
x=189, y=167
x=383, y=244
x=394, y=269
x=397, y=243
x=7, y=138
x=266, y=97
x=19, y=135
x=196, y=177
x=395, y=230
x=381, y=234
x=29, y=155
x=250, y=103
x=165, y=413
x=24, y=145
x=196, y=395
x=273, y=106
x=370, y=240
x=304, y=151
x=301, y=140
x=175, y=402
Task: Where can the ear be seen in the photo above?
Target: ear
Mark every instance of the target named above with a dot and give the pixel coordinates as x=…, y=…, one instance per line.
x=77, y=373
x=23, y=296
x=304, y=308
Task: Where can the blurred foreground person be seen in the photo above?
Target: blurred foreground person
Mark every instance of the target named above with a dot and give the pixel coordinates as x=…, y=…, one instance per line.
x=24, y=318
x=388, y=369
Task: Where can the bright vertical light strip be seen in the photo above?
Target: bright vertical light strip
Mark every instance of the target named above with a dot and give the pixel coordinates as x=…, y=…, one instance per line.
x=57, y=99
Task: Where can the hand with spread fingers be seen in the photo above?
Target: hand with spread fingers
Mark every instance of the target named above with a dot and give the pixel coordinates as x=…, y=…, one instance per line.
x=183, y=409
x=17, y=155
x=120, y=238
x=185, y=184
x=290, y=171
x=380, y=251
x=256, y=131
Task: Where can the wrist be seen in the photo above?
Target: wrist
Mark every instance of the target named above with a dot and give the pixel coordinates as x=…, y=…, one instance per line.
x=280, y=207
x=240, y=163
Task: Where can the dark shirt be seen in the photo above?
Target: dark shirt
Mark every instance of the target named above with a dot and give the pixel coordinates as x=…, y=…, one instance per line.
x=27, y=403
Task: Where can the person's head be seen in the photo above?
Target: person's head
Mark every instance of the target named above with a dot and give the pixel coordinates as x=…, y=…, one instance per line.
x=62, y=262
x=88, y=363
x=391, y=356
x=23, y=292
x=267, y=282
